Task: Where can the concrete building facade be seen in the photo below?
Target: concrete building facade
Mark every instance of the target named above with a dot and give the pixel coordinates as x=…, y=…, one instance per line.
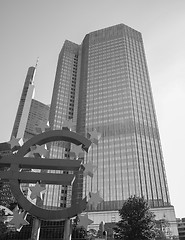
x=181, y=228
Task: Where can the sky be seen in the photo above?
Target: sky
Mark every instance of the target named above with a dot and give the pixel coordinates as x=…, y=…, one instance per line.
x=38, y=28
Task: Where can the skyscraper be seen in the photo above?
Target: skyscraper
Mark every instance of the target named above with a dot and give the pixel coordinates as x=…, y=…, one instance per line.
x=24, y=104
x=104, y=84
x=63, y=107
x=30, y=112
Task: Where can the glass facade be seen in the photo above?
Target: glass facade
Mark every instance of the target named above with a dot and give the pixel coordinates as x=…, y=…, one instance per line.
x=119, y=105
x=62, y=108
x=28, y=82
x=103, y=84
x=39, y=112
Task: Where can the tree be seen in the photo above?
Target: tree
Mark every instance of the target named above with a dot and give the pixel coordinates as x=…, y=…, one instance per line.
x=137, y=221
x=78, y=231
x=8, y=202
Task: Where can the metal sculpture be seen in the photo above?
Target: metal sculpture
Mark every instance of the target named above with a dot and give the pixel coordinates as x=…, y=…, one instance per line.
x=36, y=146
x=18, y=161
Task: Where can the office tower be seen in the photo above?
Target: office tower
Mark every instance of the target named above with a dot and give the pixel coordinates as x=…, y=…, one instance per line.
x=30, y=111
x=24, y=104
x=62, y=108
x=29, y=114
x=104, y=84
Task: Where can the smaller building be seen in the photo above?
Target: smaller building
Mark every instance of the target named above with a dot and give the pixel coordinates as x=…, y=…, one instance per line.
x=5, y=192
x=39, y=112
x=5, y=149
x=181, y=228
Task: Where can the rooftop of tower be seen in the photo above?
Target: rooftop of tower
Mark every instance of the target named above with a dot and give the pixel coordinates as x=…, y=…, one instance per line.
x=119, y=26
x=115, y=31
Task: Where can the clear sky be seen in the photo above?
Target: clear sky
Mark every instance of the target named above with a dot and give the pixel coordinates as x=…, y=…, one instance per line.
x=38, y=28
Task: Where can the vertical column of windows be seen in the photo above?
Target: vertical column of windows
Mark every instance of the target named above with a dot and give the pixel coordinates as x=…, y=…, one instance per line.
x=107, y=159
x=56, y=195
x=150, y=152
x=158, y=147
x=70, y=112
x=147, y=150
x=126, y=168
x=112, y=169
x=89, y=122
x=120, y=146
x=136, y=119
x=118, y=158
x=138, y=81
x=117, y=169
x=153, y=122
x=162, y=174
x=103, y=167
x=136, y=171
x=138, y=189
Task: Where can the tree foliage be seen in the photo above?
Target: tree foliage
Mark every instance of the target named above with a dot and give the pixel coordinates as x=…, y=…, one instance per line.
x=78, y=231
x=8, y=203
x=137, y=221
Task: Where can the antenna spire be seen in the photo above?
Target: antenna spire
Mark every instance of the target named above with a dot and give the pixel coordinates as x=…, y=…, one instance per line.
x=34, y=72
x=37, y=62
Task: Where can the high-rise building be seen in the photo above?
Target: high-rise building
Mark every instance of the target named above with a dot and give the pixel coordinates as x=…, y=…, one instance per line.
x=29, y=114
x=24, y=104
x=30, y=111
x=104, y=84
